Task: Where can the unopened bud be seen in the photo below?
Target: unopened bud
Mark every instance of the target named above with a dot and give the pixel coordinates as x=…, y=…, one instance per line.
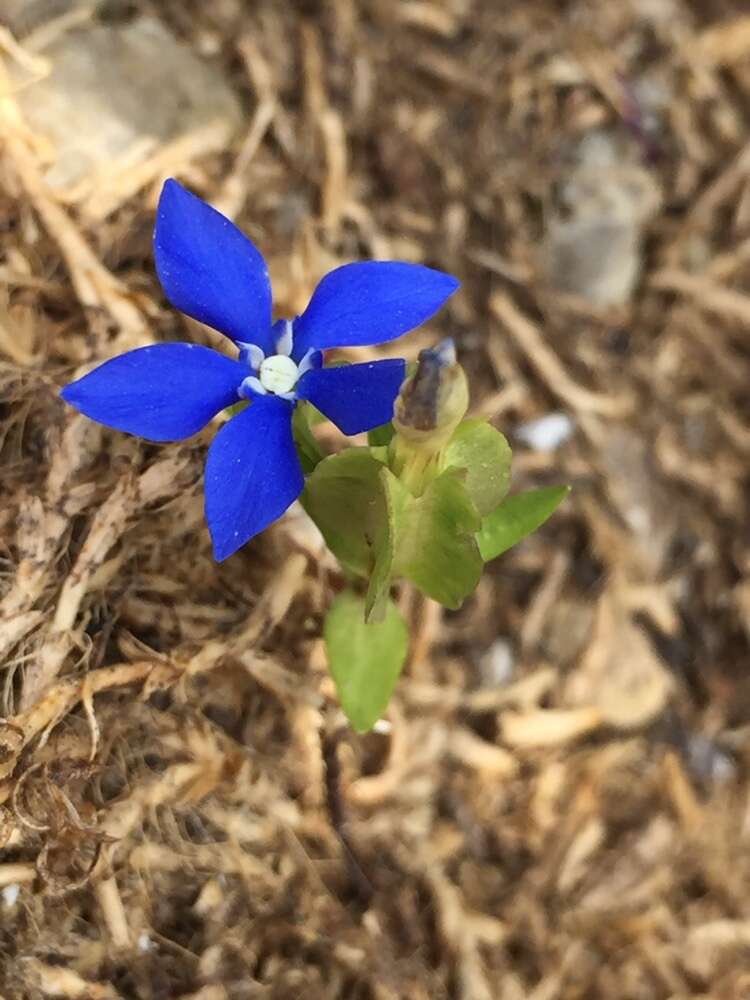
x=430, y=406
x=435, y=398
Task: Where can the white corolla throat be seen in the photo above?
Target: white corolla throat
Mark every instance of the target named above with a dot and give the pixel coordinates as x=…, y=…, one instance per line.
x=285, y=343
x=278, y=374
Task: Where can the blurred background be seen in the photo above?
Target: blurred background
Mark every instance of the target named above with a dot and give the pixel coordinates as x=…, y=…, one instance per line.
x=558, y=804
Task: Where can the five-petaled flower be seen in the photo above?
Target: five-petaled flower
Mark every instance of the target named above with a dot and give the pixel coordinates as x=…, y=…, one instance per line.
x=211, y=271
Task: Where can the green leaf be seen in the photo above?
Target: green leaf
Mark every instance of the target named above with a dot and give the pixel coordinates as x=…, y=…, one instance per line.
x=314, y=416
x=485, y=455
x=365, y=660
x=344, y=496
x=380, y=453
x=356, y=502
x=308, y=449
x=516, y=518
x=380, y=437
x=436, y=546
x=396, y=501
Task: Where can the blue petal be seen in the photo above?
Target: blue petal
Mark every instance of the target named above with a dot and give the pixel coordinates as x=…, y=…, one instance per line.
x=370, y=303
x=209, y=269
x=355, y=397
x=252, y=474
x=164, y=393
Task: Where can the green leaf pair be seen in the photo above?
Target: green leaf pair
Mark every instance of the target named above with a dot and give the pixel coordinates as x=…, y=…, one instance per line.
x=439, y=537
x=380, y=531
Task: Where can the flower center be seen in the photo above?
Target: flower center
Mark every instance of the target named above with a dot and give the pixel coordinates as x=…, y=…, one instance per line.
x=278, y=374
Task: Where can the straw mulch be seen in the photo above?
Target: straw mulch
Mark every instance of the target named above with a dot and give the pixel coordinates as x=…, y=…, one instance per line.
x=558, y=804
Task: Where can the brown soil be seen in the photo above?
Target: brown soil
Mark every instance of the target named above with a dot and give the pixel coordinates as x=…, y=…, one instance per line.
x=560, y=806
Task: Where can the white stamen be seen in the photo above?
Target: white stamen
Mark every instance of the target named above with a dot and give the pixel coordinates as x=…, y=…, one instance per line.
x=278, y=374
x=307, y=362
x=252, y=354
x=251, y=385
x=285, y=342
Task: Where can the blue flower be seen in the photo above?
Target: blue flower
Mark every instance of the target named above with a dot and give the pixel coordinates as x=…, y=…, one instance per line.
x=211, y=271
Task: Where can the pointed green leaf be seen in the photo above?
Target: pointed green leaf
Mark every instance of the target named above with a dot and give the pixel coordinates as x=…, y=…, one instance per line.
x=485, y=455
x=380, y=437
x=516, y=518
x=309, y=451
x=435, y=546
x=365, y=660
x=380, y=453
x=396, y=500
x=344, y=496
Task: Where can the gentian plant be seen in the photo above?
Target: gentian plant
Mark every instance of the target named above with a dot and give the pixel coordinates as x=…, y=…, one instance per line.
x=423, y=501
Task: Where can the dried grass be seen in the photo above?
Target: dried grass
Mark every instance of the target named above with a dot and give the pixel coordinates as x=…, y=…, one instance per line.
x=183, y=813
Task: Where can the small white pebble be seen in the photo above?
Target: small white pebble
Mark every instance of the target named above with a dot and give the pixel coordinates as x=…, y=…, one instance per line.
x=383, y=727
x=144, y=942
x=724, y=768
x=547, y=433
x=10, y=895
x=709, y=760
x=497, y=664
x=638, y=519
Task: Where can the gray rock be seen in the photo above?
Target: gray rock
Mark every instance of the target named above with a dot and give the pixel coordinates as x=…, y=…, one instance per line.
x=118, y=89
x=708, y=761
x=23, y=16
x=593, y=241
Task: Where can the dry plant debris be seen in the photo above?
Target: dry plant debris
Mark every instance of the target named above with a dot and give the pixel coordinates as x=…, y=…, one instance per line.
x=557, y=805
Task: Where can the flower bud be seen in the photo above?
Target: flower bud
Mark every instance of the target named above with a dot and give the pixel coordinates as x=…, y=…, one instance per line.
x=434, y=399
x=430, y=406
